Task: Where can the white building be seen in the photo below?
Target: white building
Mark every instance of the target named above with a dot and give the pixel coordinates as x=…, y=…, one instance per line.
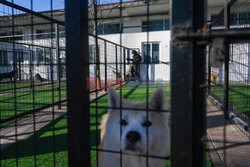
x=134, y=35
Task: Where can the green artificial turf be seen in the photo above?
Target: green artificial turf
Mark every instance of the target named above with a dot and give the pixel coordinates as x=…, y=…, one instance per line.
x=9, y=87
x=44, y=136
x=24, y=100
x=238, y=96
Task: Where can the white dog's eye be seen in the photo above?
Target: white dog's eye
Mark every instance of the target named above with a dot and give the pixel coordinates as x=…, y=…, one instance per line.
x=123, y=122
x=147, y=123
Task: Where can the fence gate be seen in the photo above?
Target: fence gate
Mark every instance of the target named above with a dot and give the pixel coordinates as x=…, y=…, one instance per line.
x=59, y=60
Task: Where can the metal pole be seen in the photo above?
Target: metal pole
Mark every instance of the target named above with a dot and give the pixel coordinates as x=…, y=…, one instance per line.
x=226, y=67
x=116, y=65
x=58, y=64
x=105, y=62
x=19, y=65
x=124, y=63
x=77, y=75
x=187, y=86
x=30, y=66
x=209, y=69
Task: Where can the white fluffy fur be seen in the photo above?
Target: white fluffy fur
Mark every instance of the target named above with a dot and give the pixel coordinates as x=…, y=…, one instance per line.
x=158, y=132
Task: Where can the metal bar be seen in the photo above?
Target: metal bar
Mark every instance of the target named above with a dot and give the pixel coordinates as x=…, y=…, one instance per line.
x=58, y=64
x=19, y=65
x=128, y=56
x=30, y=66
x=105, y=63
x=13, y=5
x=77, y=73
x=116, y=65
x=230, y=34
x=124, y=61
x=226, y=78
x=199, y=99
x=226, y=67
x=209, y=69
x=187, y=86
x=33, y=89
x=14, y=64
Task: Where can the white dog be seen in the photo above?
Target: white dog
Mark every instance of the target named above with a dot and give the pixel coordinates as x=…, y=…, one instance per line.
x=133, y=123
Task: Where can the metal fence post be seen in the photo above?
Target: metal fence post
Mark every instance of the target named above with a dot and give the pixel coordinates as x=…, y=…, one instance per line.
x=226, y=67
x=30, y=66
x=116, y=65
x=187, y=86
x=209, y=69
x=124, y=63
x=77, y=75
x=58, y=64
x=128, y=56
x=105, y=63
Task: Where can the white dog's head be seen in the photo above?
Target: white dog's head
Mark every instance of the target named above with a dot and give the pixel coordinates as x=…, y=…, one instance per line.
x=133, y=124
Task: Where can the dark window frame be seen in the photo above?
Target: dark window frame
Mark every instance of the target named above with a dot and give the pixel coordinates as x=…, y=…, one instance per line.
x=3, y=58
x=162, y=25
x=8, y=36
x=151, y=58
x=106, y=29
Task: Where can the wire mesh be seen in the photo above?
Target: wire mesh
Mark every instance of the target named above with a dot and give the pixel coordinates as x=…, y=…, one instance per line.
x=228, y=91
x=33, y=96
x=32, y=87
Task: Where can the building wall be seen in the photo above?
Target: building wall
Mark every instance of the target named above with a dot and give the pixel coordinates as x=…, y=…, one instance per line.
x=135, y=40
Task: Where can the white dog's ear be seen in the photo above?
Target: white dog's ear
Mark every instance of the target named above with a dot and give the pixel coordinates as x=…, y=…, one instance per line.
x=114, y=98
x=158, y=100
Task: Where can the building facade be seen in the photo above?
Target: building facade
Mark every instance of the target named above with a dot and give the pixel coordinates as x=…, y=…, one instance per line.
x=154, y=46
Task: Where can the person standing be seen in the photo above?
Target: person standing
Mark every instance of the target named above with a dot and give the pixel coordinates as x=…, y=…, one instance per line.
x=136, y=64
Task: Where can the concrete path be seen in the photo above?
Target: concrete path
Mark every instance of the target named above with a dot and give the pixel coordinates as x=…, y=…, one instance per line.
x=237, y=147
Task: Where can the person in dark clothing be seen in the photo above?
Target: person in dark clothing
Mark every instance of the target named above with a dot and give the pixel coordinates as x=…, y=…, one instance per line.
x=136, y=64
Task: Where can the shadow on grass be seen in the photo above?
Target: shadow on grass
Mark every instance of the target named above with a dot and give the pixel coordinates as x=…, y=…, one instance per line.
x=43, y=139
x=44, y=136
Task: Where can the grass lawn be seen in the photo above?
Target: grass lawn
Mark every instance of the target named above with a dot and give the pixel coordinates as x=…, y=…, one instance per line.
x=24, y=100
x=9, y=87
x=44, y=136
x=238, y=96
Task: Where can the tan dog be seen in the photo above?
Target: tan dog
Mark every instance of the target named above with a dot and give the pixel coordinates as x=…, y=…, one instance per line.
x=118, y=75
x=213, y=78
x=133, y=140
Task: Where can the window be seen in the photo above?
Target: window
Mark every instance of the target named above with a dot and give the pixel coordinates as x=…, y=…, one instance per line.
x=111, y=29
x=91, y=30
x=8, y=36
x=19, y=56
x=155, y=25
x=150, y=52
x=167, y=25
x=92, y=57
x=3, y=58
x=235, y=19
x=106, y=29
x=47, y=56
x=244, y=18
x=40, y=56
x=61, y=32
x=44, y=34
x=217, y=20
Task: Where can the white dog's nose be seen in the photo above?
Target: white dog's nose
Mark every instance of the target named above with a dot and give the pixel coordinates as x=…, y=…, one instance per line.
x=133, y=136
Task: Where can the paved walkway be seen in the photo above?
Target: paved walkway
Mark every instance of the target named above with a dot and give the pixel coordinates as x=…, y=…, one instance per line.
x=237, y=147
x=25, y=126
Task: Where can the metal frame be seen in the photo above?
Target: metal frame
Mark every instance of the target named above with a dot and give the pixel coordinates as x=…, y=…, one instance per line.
x=78, y=96
x=187, y=91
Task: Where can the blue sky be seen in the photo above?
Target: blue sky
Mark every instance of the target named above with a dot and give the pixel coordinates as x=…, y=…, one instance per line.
x=43, y=5
x=40, y=5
